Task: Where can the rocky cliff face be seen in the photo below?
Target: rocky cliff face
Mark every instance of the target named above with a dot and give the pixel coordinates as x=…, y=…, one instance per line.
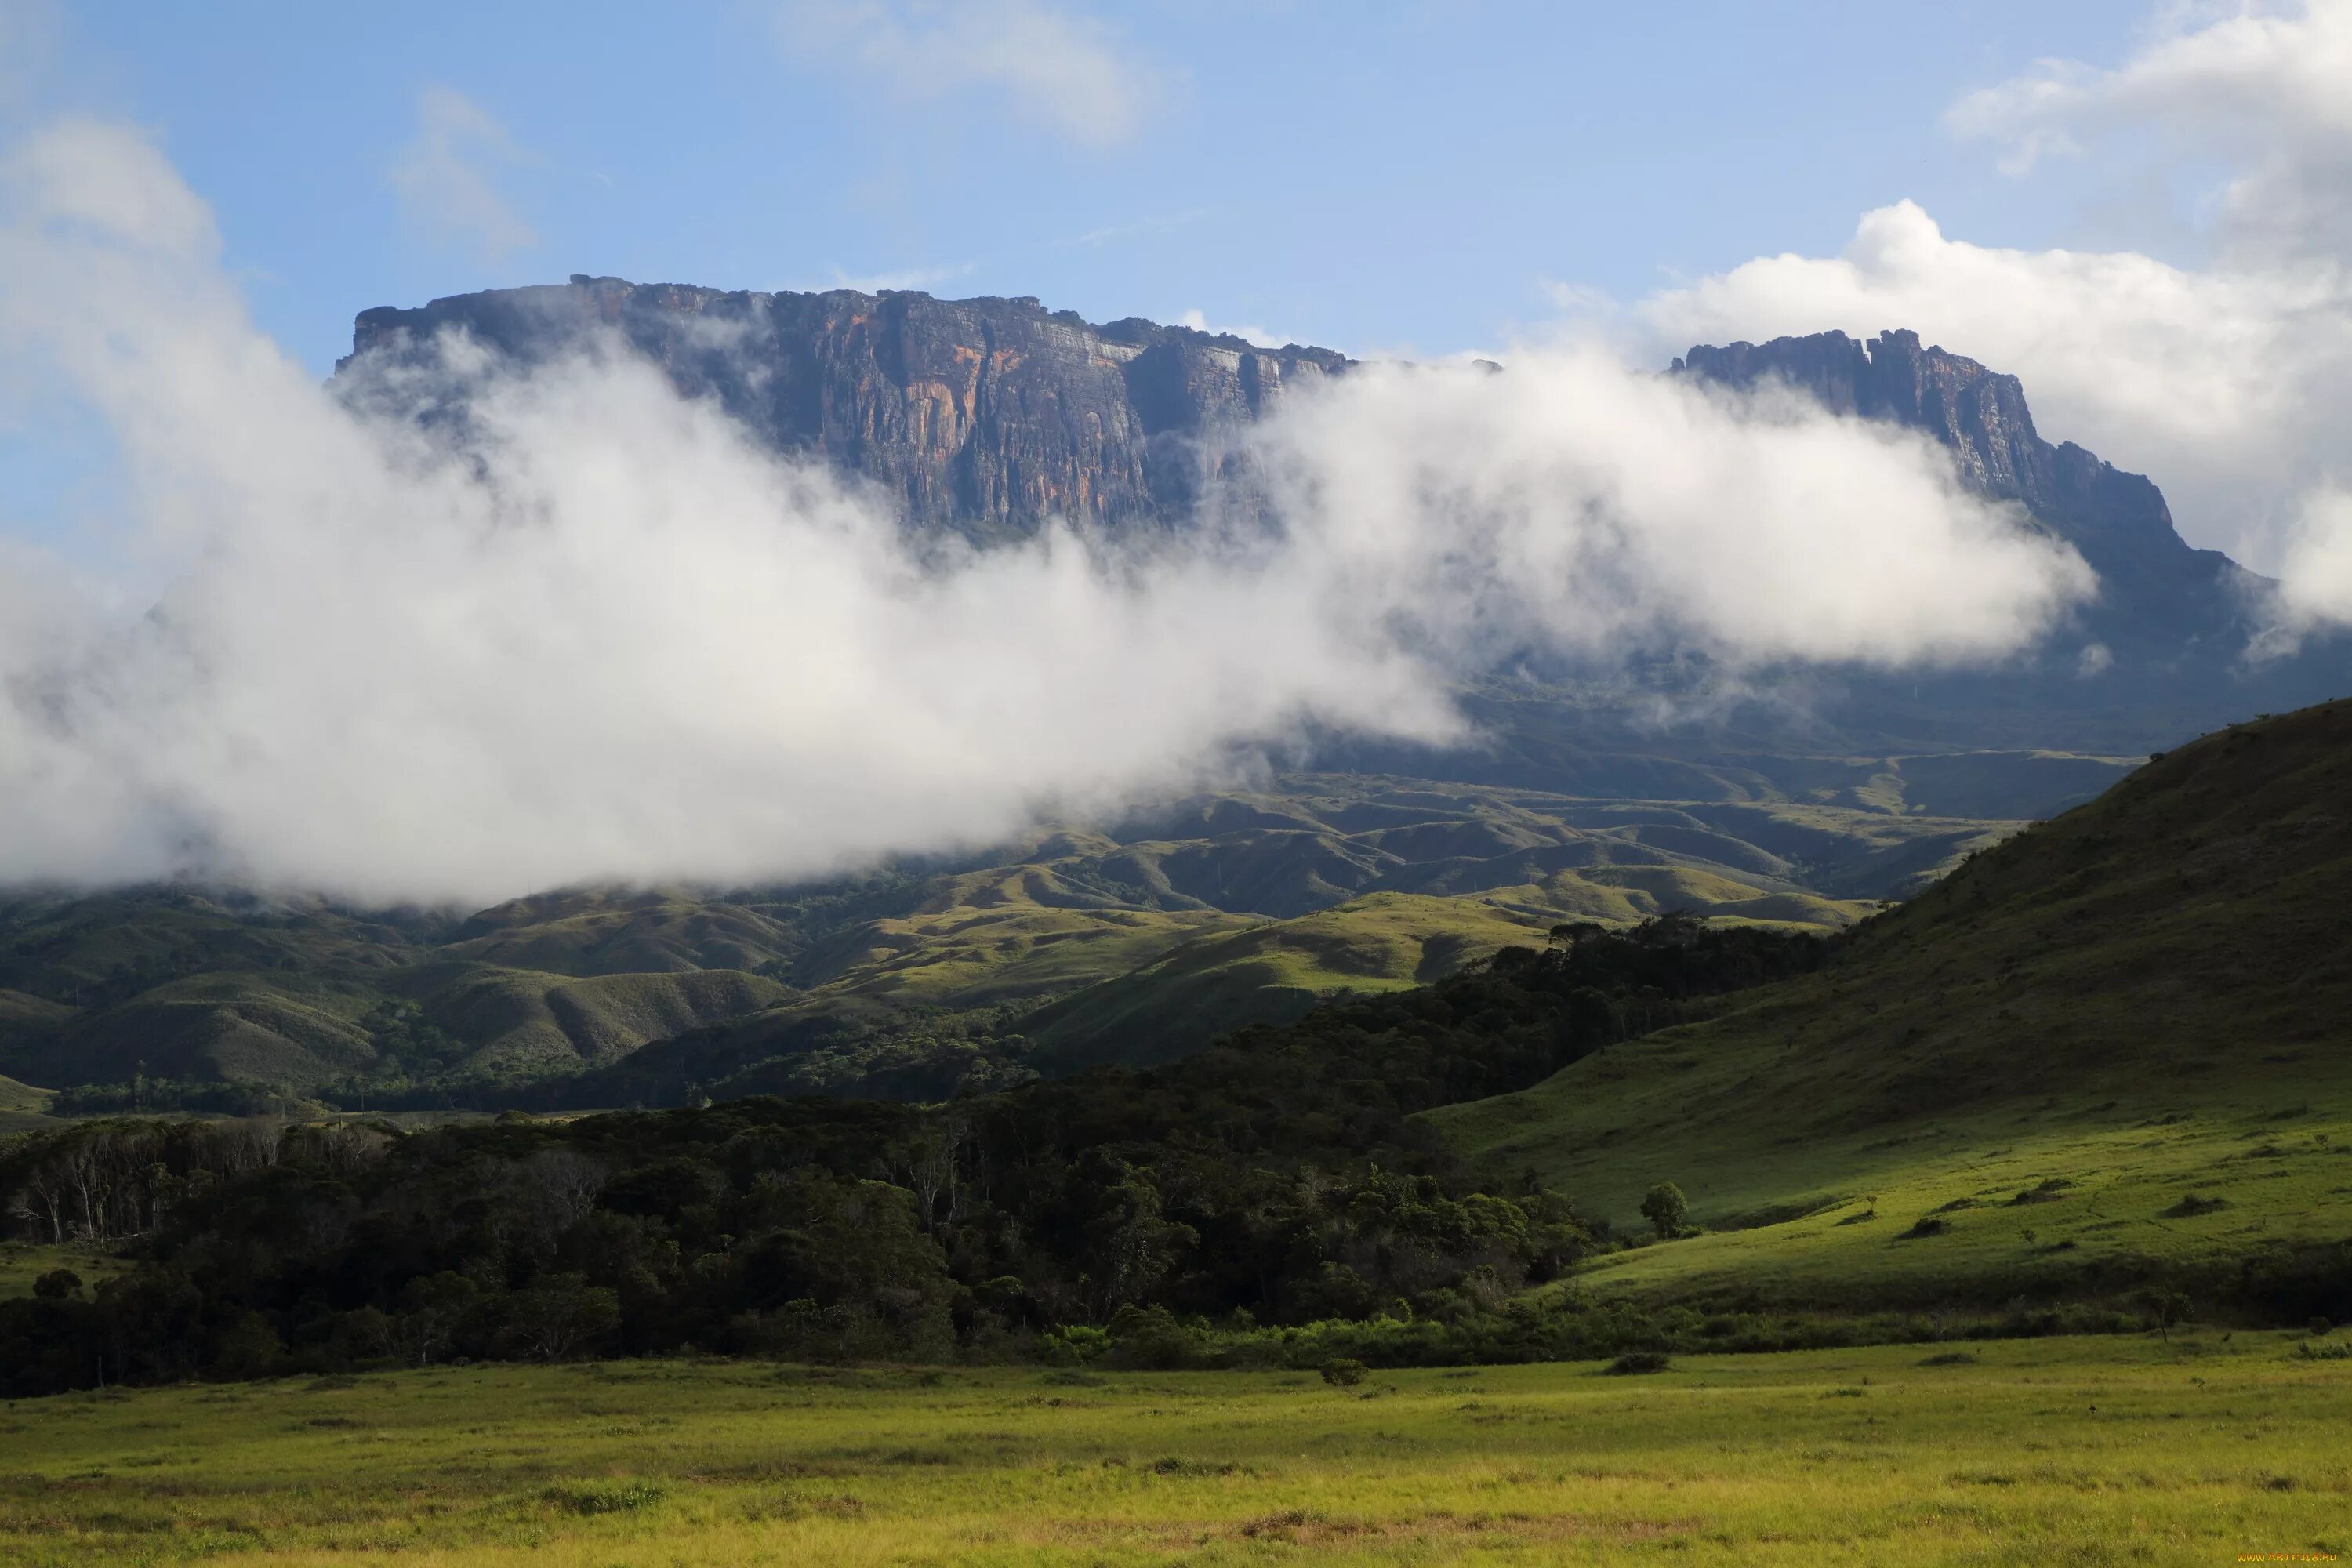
x=2118, y=520
x=986, y=416
x=2162, y=648
x=991, y=417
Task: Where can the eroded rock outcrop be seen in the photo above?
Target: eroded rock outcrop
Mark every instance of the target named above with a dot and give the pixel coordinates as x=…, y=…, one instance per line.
x=987, y=416
x=2154, y=584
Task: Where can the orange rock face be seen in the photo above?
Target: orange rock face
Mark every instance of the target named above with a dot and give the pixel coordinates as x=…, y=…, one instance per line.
x=990, y=417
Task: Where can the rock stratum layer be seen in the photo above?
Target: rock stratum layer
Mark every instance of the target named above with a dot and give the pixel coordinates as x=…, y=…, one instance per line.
x=989, y=417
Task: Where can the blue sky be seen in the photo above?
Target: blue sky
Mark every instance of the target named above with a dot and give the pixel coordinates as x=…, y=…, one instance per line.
x=1373, y=176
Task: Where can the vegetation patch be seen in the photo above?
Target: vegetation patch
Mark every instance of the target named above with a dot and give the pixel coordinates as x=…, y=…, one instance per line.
x=1752, y=1457
x=594, y=1497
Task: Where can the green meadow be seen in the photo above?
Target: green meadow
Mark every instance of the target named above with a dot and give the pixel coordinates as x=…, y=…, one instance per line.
x=2079, y=1451
x=22, y=1262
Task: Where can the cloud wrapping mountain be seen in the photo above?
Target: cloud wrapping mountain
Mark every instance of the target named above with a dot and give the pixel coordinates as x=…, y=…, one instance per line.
x=1058, y=68
x=580, y=628
x=2226, y=377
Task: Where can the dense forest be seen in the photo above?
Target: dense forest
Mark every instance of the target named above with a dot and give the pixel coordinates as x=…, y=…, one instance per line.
x=1276, y=1180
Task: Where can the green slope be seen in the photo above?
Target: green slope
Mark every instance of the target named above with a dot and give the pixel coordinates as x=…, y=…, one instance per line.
x=1272, y=974
x=603, y=931
x=521, y=1024
x=2145, y=999
x=22, y=1107
x=182, y=985
x=1004, y=933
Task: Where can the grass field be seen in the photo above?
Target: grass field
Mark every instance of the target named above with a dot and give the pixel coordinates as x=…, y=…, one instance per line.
x=2077, y=1451
x=1275, y=973
x=21, y=1263
x=22, y=1107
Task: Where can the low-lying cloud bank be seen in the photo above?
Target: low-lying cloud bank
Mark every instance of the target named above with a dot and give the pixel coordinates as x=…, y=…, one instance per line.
x=613, y=640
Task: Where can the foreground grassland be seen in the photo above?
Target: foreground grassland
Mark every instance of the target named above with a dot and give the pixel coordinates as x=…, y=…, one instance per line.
x=22, y=1262
x=2081, y=1451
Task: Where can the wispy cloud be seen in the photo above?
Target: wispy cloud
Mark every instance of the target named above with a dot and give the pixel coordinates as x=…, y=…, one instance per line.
x=904, y=277
x=1263, y=336
x=2263, y=85
x=1140, y=229
x=1051, y=64
x=447, y=177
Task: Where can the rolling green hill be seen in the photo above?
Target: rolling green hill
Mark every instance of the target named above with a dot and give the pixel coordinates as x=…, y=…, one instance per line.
x=22, y=1107
x=2117, y=1044
x=1115, y=931
x=1270, y=974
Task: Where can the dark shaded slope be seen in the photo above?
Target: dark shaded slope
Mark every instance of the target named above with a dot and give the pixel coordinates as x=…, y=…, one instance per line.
x=2160, y=651
x=2148, y=995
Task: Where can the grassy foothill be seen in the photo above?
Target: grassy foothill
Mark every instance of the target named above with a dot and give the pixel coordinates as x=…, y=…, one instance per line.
x=2196, y=1450
x=22, y=1262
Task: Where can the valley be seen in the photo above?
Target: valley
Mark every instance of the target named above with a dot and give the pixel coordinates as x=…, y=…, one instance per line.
x=1206, y=915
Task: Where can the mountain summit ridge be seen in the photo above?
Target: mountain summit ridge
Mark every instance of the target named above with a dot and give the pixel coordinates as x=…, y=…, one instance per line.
x=993, y=414
x=990, y=416
x=994, y=417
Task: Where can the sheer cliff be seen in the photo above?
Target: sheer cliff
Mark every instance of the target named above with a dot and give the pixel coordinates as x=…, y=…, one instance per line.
x=2154, y=586
x=986, y=416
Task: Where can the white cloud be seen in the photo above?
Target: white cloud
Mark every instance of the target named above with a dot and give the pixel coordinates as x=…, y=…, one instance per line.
x=2219, y=384
x=447, y=177
x=613, y=639
x=2267, y=87
x=2318, y=575
x=2224, y=383
x=906, y=278
x=1263, y=337
x=1140, y=229
x=1054, y=67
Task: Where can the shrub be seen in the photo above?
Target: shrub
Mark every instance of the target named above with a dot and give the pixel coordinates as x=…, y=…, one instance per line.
x=1635, y=1363
x=605, y=1497
x=1073, y=1345
x=56, y=1285
x=2165, y=1309
x=250, y=1348
x=1664, y=1207
x=1149, y=1339
x=1343, y=1372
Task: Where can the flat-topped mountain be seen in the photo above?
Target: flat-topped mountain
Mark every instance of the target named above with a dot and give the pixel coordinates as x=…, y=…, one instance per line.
x=993, y=417
x=989, y=417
